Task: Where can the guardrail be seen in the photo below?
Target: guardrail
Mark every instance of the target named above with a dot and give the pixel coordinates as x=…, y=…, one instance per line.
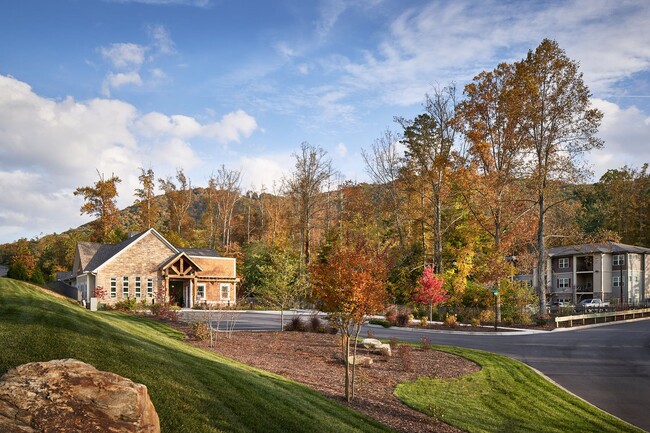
x=602, y=317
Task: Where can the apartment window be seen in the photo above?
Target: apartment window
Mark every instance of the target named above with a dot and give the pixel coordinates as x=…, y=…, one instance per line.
x=150, y=287
x=225, y=291
x=618, y=260
x=200, y=291
x=113, y=287
x=617, y=282
x=563, y=263
x=563, y=283
x=138, y=287
x=125, y=287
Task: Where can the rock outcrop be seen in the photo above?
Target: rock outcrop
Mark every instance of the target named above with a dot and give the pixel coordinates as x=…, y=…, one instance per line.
x=70, y=396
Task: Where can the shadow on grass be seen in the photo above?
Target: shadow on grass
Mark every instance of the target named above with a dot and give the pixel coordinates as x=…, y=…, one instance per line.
x=193, y=390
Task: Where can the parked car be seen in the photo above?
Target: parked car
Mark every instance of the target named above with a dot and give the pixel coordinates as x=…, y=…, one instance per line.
x=561, y=304
x=591, y=304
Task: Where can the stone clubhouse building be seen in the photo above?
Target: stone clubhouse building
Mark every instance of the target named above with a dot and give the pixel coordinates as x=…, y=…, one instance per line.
x=147, y=267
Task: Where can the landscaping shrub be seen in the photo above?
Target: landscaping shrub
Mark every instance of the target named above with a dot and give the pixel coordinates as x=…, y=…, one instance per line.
x=424, y=322
x=382, y=322
x=403, y=318
x=315, y=324
x=393, y=344
x=426, y=343
x=451, y=320
x=391, y=316
x=165, y=311
x=296, y=324
x=128, y=304
x=476, y=322
x=405, y=356
x=542, y=319
x=201, y=330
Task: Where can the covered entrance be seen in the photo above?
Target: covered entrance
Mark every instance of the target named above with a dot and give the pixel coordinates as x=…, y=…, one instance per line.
x=180, y=279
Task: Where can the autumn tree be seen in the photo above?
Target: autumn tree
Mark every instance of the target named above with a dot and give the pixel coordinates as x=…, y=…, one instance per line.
x=304, y=187
x=179, y=198
x=491, y=184
x=602, y=210
x=281, y=284
x=23, y=262
x=146, y=199
x=228, y=185
x=429, y=140
x=349, y=283
x=383, y=164
x=100, y=201
x=430, y=290
x=558, y=125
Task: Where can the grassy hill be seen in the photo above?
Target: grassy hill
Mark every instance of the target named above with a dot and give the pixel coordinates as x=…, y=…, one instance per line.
x=193, y=391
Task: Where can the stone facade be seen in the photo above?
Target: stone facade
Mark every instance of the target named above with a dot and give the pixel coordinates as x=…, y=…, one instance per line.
x=142, y=259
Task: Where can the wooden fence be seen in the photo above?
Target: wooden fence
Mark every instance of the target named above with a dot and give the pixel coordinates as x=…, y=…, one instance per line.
x=592, y=318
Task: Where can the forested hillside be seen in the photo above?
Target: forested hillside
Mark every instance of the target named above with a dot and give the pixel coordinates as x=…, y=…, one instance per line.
x=466, y=187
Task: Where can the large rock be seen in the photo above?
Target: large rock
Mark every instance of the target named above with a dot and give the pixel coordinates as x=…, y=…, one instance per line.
x=70, y=396
x=377, y=346
x=359, y=360
x=371, y=343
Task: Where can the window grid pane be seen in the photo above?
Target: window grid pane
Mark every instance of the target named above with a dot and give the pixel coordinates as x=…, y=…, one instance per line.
x=125, y=287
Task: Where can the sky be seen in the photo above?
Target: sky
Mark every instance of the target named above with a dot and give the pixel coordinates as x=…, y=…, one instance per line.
x=109, y=86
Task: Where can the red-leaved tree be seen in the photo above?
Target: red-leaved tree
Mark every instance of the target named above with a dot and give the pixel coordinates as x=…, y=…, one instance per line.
x=350, y=283
x=430, y=291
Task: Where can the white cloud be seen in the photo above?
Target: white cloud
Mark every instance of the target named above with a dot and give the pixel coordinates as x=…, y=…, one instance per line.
x=341, y=150
x=231, y=128
x=453, y=41
x=265, y=171
x=49, y=148
x=161, y=39
x=124, y=55
x=115, y=81
x=625, y=133
x=128, y=59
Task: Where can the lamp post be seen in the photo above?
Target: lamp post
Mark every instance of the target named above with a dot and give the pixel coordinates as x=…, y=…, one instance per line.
x=495, y=292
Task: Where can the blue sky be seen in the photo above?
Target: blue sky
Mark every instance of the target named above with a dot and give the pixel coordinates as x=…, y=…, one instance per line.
x=113, y=85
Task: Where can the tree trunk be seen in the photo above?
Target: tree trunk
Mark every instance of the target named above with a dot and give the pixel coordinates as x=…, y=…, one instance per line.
x=541, y=257
x=438, y=235
x=346, y=338
x=354, y=357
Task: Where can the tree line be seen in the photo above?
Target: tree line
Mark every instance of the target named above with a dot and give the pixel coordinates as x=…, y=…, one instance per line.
x=481, y=182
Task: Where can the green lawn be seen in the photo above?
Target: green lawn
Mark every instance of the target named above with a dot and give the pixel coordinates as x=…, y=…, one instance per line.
x=193, y=390
x=505, y=396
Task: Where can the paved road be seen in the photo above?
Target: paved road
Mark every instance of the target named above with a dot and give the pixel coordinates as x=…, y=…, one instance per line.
x=609, y=366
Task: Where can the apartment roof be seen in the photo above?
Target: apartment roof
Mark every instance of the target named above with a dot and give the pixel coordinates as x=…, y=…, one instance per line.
x=602, y=247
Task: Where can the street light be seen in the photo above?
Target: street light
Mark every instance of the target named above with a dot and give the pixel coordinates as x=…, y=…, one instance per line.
x=495, y=292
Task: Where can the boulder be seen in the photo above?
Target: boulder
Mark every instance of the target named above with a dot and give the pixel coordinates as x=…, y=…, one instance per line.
x=371, y=343
x=384, y=350
x=359, y=360
x=70, y=396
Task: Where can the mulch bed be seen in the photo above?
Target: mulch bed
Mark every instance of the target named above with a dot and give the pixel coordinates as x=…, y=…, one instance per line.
x=315, y=360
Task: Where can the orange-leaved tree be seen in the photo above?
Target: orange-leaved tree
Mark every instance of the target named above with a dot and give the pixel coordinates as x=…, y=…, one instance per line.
x=430, y=291
x=349, y=283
